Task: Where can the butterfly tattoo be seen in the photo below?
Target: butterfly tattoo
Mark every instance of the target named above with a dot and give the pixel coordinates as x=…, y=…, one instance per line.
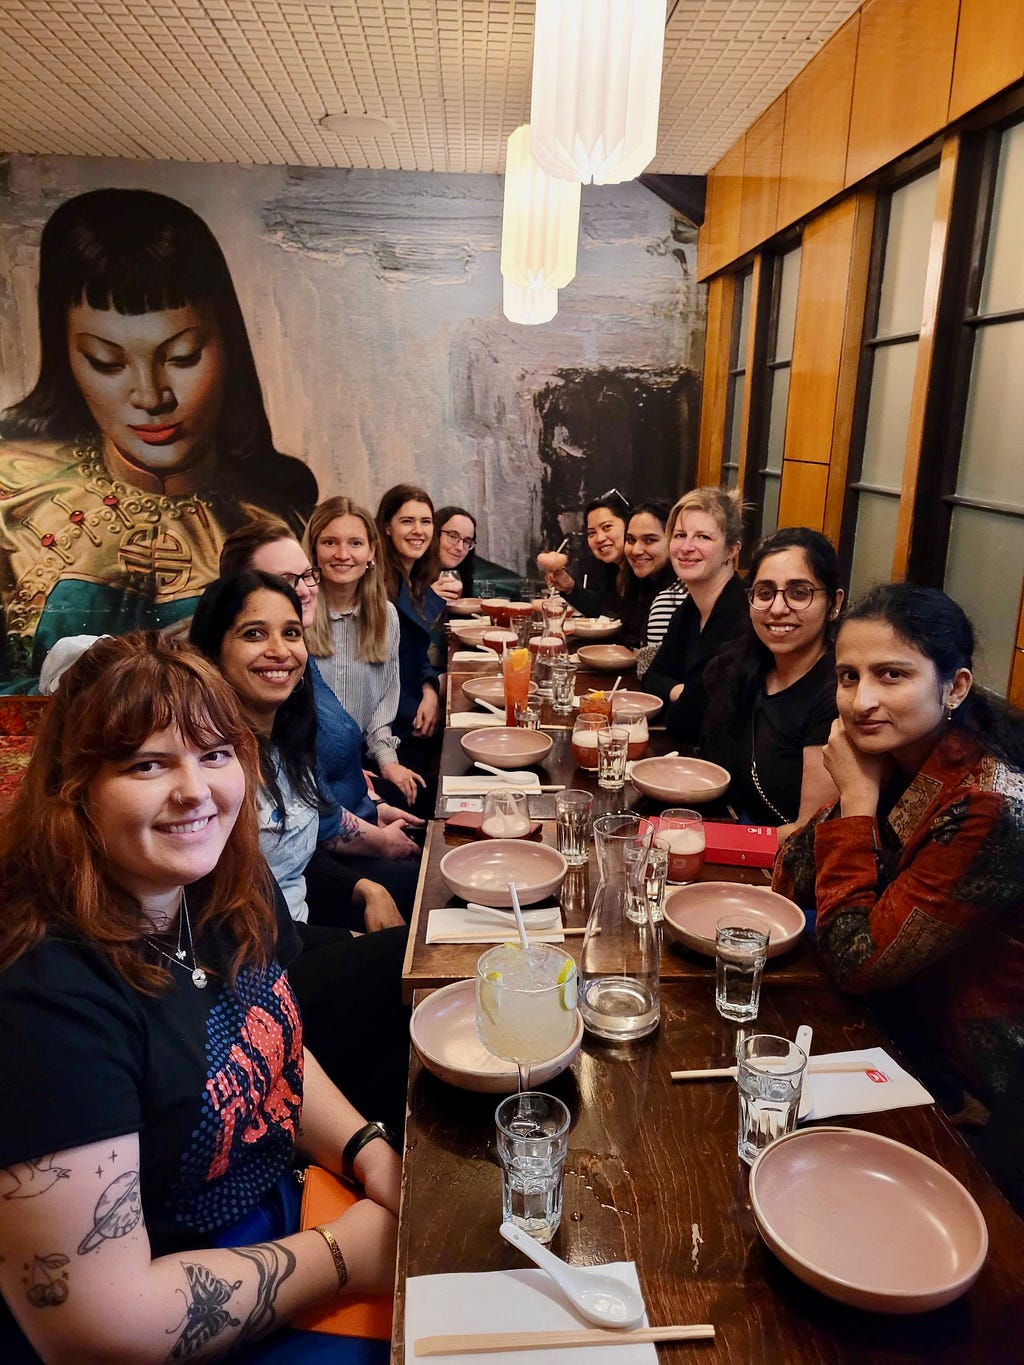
x=205, y=1315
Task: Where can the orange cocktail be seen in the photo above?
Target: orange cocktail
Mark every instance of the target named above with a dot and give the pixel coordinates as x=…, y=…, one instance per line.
x=596, y=703
x=516, y=671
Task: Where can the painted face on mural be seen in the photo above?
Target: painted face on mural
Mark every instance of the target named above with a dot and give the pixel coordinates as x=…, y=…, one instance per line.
x=455, y=540
x=152, y=381
x=410, y=531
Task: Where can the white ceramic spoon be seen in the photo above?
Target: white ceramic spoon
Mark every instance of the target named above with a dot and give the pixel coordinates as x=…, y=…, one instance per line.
x=599, y=1297
x=804, y=1034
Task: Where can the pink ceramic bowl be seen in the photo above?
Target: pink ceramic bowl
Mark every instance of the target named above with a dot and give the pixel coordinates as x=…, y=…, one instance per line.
x=490, y=689
x=471, y=632
x=465, y=606
x=680, y=781
x=507, y=746
x=593, y=627
x=867, y=1220
x=650, y=703
x=481, y=872
x=443, y=1032
x=607, y=658
x=691, y=913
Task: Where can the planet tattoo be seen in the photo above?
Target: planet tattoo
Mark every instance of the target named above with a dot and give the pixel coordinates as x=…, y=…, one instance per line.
x=118, y=1210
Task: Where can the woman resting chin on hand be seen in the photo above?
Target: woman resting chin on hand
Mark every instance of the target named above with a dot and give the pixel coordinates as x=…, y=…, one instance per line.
x=158, y=1123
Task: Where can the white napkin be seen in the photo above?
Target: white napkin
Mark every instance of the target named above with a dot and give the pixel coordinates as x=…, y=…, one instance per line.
x=509, y=1301
x=861, y=1092
x=474, y=720
x=451, y=921
x=485, y=782
x=474, y=656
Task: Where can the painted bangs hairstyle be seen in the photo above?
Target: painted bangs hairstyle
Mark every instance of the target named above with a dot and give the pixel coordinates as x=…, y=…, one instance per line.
x=371, y=592
x=53, y=867
x=725, y=505
x=424, y=571
x=467, y=569
x=937, y=627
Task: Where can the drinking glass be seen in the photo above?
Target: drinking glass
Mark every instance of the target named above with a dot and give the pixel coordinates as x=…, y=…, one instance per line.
x=574, y=812
x=654, y=882
x=741, y=948
x=451, y=577
x=584, y=739
x=562, y=669
x=682, y=833
x=506, y=815
x=612, y=750
x=544, y=648
x=527, y=716
x=525, y=1003
x=769, y=1074
x=515, y=668
x=532, y=1141
x=634, y=718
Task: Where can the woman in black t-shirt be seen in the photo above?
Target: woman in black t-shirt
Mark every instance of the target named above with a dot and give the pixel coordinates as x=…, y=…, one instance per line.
x=156, y=1083
x=772, y=695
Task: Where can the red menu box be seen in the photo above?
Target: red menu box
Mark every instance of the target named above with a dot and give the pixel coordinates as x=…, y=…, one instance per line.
x=741, y=845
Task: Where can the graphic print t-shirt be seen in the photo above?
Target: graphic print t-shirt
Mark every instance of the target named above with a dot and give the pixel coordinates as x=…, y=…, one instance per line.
x=211, y=1080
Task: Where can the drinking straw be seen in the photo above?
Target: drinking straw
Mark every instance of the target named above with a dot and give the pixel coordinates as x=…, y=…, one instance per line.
x=517, y=910
x=615, y=687
x=561, y=547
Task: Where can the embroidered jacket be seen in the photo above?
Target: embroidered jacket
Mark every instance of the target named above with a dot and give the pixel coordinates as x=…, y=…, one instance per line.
x=929, y=899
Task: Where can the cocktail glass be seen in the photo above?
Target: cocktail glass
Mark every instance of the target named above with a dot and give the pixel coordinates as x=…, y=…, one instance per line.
x=515, y=668
x=526, y=1003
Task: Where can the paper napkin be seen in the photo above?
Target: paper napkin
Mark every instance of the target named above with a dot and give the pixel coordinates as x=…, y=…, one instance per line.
x=474, y=720
x=509, y=1301
x=474, y=656
x=451, y=921
x=882, y=1085
x=485, y=782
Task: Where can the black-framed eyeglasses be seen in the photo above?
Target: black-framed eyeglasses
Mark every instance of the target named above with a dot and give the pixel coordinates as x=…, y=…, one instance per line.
x=455, y=539
x=311, y=577
x=797, y=596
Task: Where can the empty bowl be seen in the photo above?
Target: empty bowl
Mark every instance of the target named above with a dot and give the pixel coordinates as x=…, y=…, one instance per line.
x=464, y=606
x=471, y=632
x=680, y=781
x=647, y=700
x=489, y=689
x=692, y=911
x=443, y=1032
x=593, y=627
x=866, y=1220
x=606, y=658
x=481, y=872
x=507, y=746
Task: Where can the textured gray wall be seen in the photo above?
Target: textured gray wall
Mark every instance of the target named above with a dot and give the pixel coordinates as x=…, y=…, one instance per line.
x=373, y=301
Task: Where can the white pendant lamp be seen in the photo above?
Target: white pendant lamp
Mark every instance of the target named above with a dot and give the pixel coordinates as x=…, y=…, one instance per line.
x=528, y=306
x=596, y=87
x=540, y=222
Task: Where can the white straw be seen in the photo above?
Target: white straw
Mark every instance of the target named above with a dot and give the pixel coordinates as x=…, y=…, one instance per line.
x=517, y=908
x=561, y=547
x=615, y=688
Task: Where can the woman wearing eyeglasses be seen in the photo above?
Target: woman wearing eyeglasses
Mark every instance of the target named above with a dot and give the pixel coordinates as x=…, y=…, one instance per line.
x=455, y=551
x=765, y=705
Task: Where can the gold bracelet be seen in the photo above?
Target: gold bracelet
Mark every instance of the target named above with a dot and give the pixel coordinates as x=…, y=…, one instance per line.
x=339, y=1260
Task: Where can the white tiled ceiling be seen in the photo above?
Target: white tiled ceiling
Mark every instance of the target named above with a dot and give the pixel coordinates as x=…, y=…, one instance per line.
x=249, y=80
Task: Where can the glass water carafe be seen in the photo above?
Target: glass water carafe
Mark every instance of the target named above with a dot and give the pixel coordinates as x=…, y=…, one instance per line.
x=618, y=978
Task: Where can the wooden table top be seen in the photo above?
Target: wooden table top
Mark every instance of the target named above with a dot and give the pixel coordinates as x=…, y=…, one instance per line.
x=438, y=964
x=652, y=1176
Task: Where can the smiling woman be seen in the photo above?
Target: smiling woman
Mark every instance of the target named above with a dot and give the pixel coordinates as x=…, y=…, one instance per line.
x=144, y=440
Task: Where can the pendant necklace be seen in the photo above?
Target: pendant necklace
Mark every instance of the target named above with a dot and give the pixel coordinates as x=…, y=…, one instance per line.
x=180, y=957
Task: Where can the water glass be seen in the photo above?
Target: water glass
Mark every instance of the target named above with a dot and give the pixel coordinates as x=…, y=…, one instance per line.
x=654, y=882
x=532, y=1139
x=527, y=716
x=769, y=1075
x=741, y=947
x=574, y=813
x=612, y=751
x=681, y=832
x=506, y=815
x=563, y=683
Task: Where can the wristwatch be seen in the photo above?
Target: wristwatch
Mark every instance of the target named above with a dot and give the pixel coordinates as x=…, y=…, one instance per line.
x=358, y=1141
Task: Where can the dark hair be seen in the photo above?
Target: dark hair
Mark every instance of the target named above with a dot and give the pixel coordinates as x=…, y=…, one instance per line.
x=467, y=569
x=140, y=252
x=937, y=627
x=292, y=741
x=53, y=866
x=734, y=677
x=424, y=571
x=619, y=507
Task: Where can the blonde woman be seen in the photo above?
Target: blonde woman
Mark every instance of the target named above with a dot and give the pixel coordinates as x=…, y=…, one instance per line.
x=354, y=636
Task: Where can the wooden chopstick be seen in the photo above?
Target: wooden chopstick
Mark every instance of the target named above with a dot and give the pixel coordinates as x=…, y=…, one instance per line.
x=468, y=1343
x=718, y=1073
x=492, y=936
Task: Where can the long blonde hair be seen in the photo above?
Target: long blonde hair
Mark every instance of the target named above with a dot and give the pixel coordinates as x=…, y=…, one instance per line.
x=371, y=592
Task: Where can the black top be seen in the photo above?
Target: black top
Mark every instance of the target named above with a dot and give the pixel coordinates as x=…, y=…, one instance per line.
x=775, y=730
x=686, y=651
x=601, y=595
x=636, y=603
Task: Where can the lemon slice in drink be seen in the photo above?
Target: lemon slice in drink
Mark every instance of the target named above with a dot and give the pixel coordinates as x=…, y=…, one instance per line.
x=518, y=660
x=567, y=988
x=489, y=996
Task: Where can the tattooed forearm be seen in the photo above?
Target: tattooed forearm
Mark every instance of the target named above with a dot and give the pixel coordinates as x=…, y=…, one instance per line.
x=274, y=1263
x=205, y=1314
x=118, y=1211
x=47, y=1280
x=26, y=1179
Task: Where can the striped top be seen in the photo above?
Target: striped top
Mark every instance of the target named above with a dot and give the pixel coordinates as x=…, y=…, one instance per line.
x=368, y=692
x=663, y=608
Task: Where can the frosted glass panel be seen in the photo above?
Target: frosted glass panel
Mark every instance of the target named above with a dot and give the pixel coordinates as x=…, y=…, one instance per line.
x=739, y=384
x=769, y=518
x=739, y=360
x=992, y=456
x=790, y=267
x=1003, y=287
x=777, y=419
x=885, y=441
x=983, y=573
x=873, y=543
x=906, y=257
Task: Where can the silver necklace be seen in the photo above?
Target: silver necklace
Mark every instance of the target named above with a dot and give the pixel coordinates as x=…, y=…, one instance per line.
x=180, y=957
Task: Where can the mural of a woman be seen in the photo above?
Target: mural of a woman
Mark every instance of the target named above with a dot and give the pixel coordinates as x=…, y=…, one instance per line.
x=145, y=439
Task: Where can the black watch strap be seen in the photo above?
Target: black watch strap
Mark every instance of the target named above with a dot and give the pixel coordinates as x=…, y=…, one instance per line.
x=358, y=1141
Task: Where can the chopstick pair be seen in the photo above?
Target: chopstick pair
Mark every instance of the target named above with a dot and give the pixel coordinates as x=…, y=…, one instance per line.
x=488, y=937
x=468, y=1343
x=721, y=1073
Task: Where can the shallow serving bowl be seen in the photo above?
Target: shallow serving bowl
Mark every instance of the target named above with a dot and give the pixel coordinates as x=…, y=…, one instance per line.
x=471, y=632
x=868, y=1221
x=507, y=746
x=443, y=1032
x=593, y=627
x=650, y=703
x=692, y=911
x=489, y=689
x=607, y=658
x=465, y=606
x=680, y=781
x=481, y=872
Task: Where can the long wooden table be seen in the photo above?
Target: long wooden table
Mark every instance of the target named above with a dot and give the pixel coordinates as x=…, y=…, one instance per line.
x=653, y=1176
